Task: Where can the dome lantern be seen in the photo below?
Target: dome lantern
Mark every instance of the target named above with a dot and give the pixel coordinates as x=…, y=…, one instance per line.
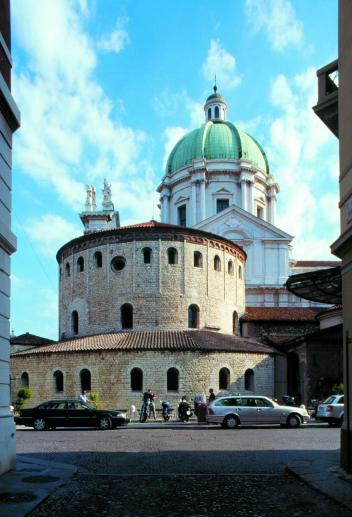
x=215, y=107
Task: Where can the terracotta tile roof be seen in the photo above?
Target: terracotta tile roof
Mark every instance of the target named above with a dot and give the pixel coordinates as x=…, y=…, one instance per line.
x=151, y=224
x=196, y=340
x=317, y=263
x=280, y=314
x=30, y=339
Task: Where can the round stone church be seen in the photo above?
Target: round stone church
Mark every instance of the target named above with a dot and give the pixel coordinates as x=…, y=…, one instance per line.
x=148, y=306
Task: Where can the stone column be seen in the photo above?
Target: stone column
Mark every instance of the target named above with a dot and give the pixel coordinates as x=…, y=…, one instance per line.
x=202, y=200
x=250, y=206
x=165, y=207
x=271, y=217
x=193, y=207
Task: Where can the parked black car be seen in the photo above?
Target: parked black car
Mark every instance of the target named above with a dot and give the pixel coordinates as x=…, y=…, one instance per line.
x=69, y=413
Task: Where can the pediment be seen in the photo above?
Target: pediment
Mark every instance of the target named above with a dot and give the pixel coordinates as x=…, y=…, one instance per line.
x=237, y=224
x=181, y=199
x=222, y=191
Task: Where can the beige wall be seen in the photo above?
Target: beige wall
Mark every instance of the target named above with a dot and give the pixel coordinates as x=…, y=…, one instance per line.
x=159, y=292
x=110, y=373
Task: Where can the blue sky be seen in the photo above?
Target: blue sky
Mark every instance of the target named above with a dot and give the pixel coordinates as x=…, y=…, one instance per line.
x=106, y=88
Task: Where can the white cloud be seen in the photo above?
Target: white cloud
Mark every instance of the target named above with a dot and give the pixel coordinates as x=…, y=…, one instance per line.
x=50, y=232
x=117, y=39
x=172, y=135
x=302, y=153
x=69, y=135
x=278, y=19
x=221, y=63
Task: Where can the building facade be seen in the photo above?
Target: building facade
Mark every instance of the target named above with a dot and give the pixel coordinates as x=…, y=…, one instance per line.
x=9, y=122
x=218, y=179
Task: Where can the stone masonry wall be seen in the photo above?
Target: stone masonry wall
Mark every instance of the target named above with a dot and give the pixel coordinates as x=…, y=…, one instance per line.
x=159, y=292
x=110, y=374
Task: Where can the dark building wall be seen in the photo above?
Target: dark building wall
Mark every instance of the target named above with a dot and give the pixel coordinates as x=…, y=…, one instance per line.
x=5, y=35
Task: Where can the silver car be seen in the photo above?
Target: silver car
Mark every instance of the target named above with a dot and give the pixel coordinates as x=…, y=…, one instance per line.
x=232, y=411
x=331, y=410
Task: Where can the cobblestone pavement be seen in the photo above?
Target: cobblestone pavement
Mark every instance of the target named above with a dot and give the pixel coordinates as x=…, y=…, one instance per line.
x=159, y=496
x=183, y=472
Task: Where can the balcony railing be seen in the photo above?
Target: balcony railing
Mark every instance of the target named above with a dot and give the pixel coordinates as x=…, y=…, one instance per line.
x=328, y=90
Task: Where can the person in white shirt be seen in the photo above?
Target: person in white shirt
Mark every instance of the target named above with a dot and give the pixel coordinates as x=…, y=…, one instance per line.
x=83, y=396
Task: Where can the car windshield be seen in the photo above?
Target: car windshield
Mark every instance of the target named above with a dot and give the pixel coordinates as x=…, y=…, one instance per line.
x=330, y=400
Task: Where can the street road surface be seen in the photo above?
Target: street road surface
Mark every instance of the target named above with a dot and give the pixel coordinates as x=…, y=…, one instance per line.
x=187, y=470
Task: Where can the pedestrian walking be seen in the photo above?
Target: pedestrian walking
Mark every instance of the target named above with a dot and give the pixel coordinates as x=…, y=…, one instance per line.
x=211, y=395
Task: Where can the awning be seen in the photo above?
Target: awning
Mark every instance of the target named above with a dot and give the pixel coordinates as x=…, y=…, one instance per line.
x=322, y=286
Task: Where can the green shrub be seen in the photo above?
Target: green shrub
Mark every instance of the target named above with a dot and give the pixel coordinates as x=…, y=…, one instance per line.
x=94, y=399
x=338, y=389
x=23, y=395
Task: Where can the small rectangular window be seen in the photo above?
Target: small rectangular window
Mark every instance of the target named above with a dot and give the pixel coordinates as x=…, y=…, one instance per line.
x=222, y=204
x=260, y=212
x=181, y=215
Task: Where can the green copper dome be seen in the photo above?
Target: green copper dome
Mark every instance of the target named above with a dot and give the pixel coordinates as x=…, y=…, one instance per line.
x=216, y=141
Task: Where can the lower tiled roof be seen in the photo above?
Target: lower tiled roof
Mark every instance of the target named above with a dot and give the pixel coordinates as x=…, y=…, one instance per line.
x=30, y=339
x=196, y=340
x=280, y=314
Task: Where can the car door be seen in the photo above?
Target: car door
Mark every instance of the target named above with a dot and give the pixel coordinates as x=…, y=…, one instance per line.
x=79, y=415
x=54, y=413
x=266, y=412
x=58, y=414
x=247, y=410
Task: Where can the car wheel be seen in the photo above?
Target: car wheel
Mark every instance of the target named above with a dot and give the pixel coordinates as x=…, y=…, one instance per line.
x=231, y=422
x=293, y=422
x=105, y=423
x=39, y=424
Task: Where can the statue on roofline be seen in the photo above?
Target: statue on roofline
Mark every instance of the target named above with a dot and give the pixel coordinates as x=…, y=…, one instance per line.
x=107, y=203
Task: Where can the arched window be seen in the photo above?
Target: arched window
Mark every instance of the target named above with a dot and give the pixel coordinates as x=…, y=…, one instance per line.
x=240, y=272
x=209, y=113
x=230, y=268
x=235, y=323
x=98, y=259
x=80, y=265
x=193, y=317
x=74, y=322
x=217, y=263
x=216, y=112
x=224, y=379
x=136, y=379
x=249, y=380
x=197, y=259
x=85, y=377
x=24, y=380
x=126, y=316
x=147, y=255
x=172, y=379
x=59, y=381
x=67, y=269
x=172, y=255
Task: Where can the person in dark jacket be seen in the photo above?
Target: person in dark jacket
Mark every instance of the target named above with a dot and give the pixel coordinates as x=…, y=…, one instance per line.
x=211, y=395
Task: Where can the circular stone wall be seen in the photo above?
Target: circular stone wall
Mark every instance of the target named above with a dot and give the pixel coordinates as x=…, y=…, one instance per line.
x=158, y=277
